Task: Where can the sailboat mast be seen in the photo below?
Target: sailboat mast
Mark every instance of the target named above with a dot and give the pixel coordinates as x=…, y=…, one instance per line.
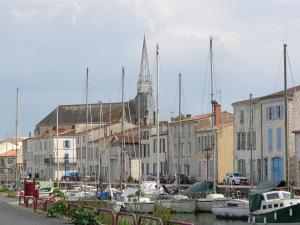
x=17, y=130
x=157, y=111
x=109, y=133
x=87, y=120
x=99, y=156
x=286, y=117
x=179, y=149
x=251, y=143
x=212, y=113
x=139, y=130
x=123, y=115
x=6, y=148
x=57, y=154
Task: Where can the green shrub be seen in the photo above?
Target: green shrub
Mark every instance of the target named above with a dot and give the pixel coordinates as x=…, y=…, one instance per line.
x=82, y=216
x=5, y=189
x=105, y=218
x=11, y=194
x=130, y=179
x=124, y=221
x=58, y=193
x=58, y=209
x=162, y=212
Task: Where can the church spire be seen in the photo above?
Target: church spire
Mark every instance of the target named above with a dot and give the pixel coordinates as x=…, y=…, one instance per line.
x=144, y=82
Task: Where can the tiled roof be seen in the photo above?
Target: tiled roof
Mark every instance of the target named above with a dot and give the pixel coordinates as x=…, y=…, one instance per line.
x=10, y=153
x=74, y=114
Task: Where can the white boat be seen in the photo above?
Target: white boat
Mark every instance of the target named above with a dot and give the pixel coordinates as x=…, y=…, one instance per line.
x=135, y=203
x=231, y=209
x=139, y=205
x=80, y=195
x=177, y=203
x=205, y=204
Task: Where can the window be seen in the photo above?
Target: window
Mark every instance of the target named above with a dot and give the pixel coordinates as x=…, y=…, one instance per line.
x=148, y=150
x=278, y=137
x=145, y=151
x=147, y=168
x=253, y=140
x=242, y=117
x=143, y=169
x=199, y=143
x=269, y=206
x=189, y=150
x=264, y=207
x=154, y=168
x=270, y=139
x=10, y=160
x=278, y=112
x=265, y=169
x=269, y=113
x=241, y=167
x=276, y=205
x=141, y=152
x=154, y=145
x=187, y=169
x=67, y=144
x=249, y=142
x=243, y=140
x=238, y=140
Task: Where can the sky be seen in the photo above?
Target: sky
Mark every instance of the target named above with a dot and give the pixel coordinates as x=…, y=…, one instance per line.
x=46, y=45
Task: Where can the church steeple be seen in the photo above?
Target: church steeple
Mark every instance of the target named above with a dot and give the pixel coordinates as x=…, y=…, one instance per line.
x=144, y=97
x=144, y=83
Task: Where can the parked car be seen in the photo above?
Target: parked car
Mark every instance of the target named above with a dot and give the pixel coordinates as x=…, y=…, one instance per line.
x=71, y=176
x=184, y=179
x=235, y=179
x=166, y=179
x=149, y=177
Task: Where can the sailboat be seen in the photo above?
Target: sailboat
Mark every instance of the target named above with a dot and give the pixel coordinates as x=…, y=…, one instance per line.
x=133, y=202
x=178, y=203
x=236, y=208
x=205, y=204
x=270, y=205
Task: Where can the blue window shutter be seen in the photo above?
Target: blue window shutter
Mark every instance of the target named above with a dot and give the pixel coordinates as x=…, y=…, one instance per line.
x=273, y=113
x=270, y=140
x=279, y=137
x=281, y=111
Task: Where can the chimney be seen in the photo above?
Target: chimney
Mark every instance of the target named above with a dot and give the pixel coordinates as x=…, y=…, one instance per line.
x=217, y=114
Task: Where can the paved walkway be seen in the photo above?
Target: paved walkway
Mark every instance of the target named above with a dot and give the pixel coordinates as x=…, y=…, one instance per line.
x=12, y=214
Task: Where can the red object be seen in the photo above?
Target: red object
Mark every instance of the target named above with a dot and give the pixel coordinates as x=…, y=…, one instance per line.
x=30, y=189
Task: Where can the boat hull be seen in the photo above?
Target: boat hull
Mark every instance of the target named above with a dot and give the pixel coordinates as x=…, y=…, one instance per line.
x=204, y=205
x=230, y=213
x=286, y=215
x=179, y=206
x=140, y=207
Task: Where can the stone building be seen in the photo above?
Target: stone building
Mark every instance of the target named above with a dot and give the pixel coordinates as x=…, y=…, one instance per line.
x=268, y=136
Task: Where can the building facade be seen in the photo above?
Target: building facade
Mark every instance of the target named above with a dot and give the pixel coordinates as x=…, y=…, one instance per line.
x=50, y=157
x=268, y=141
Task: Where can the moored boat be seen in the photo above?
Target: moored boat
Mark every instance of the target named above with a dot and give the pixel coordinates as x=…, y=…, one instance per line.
x=274, y=207
x=205, y=204
x=231, y=208
x=177, y=203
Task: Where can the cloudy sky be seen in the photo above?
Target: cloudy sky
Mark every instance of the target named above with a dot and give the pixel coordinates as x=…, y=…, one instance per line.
x=46, y=45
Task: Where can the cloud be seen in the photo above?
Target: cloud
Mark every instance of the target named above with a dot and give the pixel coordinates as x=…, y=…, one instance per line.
x=47, y=44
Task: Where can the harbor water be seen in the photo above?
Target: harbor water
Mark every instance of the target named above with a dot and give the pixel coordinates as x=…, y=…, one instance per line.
x=209, y=219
